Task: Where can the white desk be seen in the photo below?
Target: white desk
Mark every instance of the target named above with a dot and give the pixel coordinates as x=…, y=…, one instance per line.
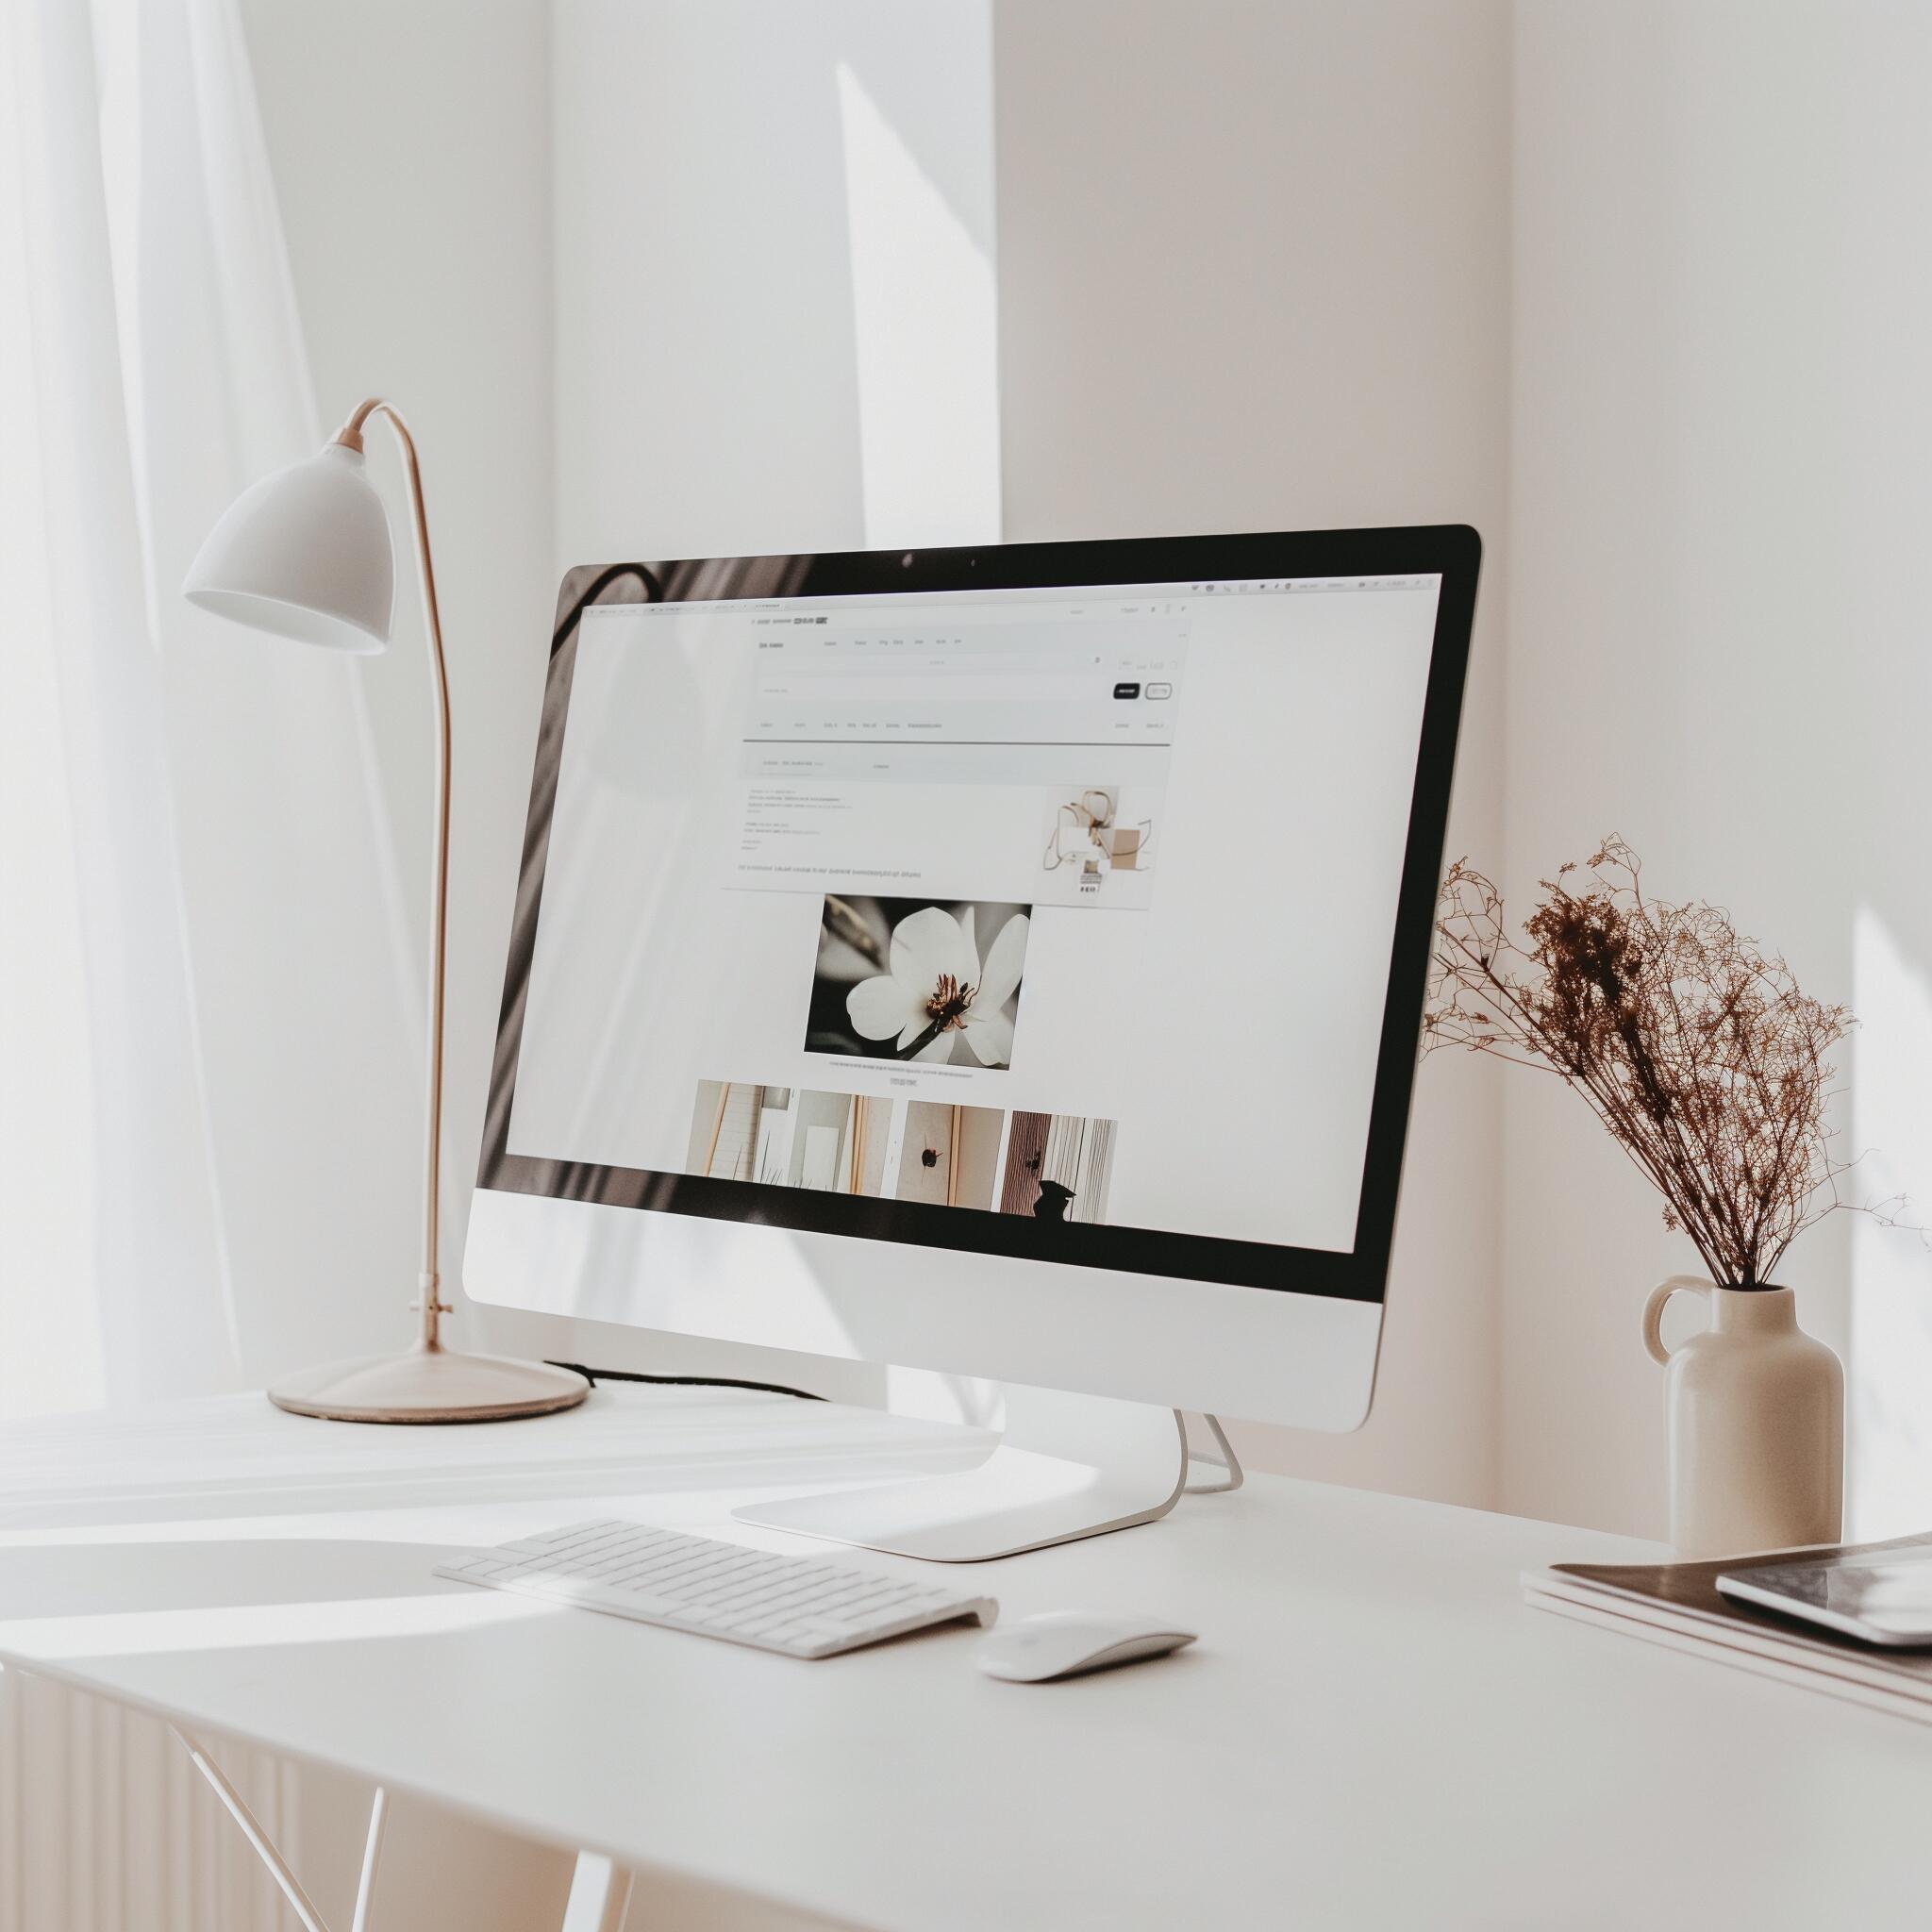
x=1373, y=1731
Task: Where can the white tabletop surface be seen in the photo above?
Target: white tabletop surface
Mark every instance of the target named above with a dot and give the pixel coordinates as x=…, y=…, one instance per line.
x=1373, y=1731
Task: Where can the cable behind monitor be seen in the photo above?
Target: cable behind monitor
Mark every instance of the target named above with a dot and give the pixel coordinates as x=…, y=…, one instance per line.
x=596, y=1376
x=1227, y=1461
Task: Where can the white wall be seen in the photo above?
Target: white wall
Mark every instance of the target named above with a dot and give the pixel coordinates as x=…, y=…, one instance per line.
x=1254, y=269
x=1280, y=286
x=728, y=361
x=770, y=223
x=410, y=148
x=1723, y=408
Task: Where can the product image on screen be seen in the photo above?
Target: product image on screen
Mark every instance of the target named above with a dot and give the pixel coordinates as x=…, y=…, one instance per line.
x=1057, y=1167
x=906, y=979
x=1089, y=839
x=1029, y=919
x=950, y=1155
x=782, y=1137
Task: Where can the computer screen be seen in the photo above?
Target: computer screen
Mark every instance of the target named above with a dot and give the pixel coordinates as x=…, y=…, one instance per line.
x=1055, y=922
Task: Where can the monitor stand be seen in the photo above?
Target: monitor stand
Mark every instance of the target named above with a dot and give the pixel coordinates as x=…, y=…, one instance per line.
x=1067, y=1466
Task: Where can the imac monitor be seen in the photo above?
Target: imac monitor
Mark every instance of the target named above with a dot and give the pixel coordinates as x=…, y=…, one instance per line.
x=1007, y=961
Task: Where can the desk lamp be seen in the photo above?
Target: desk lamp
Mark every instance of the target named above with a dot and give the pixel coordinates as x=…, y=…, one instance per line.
x=306, y=554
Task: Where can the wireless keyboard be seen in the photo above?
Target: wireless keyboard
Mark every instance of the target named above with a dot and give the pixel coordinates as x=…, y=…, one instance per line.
x=793, y=1605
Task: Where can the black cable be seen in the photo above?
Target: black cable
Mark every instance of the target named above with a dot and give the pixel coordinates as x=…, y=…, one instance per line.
x=595, y=1376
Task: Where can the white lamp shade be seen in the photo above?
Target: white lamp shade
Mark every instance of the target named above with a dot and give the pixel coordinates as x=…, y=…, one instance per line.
x=304, y=554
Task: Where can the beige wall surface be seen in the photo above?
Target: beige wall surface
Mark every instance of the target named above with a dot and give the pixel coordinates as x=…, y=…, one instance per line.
x=1723, y=406
x=1254, y=273
x=445, y=257
x=420, y=247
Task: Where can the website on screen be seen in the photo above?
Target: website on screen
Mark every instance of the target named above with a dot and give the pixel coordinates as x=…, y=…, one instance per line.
x=1075, y=904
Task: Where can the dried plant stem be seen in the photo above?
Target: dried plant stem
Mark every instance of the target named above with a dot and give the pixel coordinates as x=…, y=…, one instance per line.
x=1697, y=1051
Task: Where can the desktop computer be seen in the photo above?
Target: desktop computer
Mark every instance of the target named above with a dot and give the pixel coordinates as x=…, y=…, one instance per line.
x=1007, y=962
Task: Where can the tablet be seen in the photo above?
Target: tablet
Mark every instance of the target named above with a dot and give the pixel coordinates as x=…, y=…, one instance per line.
x=1883, y=1597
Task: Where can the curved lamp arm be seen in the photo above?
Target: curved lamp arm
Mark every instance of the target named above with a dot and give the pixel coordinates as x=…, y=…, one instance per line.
x=350, y=436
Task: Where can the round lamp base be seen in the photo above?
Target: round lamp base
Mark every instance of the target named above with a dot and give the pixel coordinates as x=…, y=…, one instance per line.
x=429, y=1386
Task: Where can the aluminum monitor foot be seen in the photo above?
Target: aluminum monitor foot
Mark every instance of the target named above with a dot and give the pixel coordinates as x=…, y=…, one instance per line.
x=1068, y=1466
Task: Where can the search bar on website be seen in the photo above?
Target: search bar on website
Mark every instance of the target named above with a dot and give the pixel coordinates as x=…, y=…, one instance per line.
x=901, y=688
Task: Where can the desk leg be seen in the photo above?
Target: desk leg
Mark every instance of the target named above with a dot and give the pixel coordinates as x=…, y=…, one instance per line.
x=372, y=1851
x=599, y=1896
x=264, y=1845
x=599, y=1892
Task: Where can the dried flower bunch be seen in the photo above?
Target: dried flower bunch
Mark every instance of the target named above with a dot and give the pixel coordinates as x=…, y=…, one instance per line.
x=1696, y=1049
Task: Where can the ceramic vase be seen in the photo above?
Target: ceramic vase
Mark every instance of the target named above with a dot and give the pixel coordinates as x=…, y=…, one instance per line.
x=1756, y=1415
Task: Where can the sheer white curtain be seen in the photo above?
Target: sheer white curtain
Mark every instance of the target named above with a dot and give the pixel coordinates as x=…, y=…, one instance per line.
x=210, y=1034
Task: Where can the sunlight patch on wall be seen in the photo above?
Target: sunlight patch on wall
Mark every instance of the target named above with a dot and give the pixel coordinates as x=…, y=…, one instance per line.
x=1888, y=1375
x=925, y=329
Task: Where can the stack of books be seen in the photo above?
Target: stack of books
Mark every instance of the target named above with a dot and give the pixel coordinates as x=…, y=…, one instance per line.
x=1677, y=1605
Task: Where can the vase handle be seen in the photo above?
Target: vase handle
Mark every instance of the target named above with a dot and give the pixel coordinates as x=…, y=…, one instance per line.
x=1654, y=1310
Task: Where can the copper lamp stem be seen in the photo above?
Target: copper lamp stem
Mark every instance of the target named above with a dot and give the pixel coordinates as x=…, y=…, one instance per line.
x=432, y=1304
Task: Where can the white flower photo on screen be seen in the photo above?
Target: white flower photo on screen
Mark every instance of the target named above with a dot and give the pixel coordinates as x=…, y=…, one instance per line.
x=907, y=979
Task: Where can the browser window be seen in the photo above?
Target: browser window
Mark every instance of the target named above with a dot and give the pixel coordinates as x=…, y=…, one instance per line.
x=1012, y=753
x=1075, y=904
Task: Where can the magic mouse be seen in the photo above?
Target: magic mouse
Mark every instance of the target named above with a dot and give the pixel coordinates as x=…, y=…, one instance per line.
x=1062, y=1643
